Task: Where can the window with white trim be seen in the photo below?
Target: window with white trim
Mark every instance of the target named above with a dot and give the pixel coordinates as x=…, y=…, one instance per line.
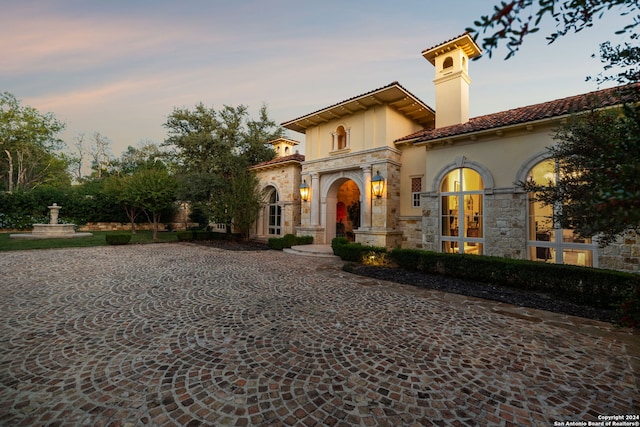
x=416, y=189
x=547, y=241
x=275, y=214
x=461, y=193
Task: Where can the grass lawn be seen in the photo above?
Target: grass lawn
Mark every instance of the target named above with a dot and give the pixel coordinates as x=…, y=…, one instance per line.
x=98, y=239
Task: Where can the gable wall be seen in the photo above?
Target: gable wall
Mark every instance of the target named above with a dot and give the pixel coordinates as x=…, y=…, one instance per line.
x=375, y=127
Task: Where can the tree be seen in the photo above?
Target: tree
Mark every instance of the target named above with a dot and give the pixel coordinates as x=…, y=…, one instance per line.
x=240, y=204
x=213, y=150
x=152, y=191
x=516, y=19
x=119, y=183
x=100, y=153
x=598, y=190
x=29, y=146
x=146, y=155
x=118, y=187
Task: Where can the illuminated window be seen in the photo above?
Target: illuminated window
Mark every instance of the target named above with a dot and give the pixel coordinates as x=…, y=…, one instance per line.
x=462, y=206
x=547, y=241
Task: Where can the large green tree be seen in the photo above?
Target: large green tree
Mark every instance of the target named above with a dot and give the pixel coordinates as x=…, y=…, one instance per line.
x=133, y=160
x=213, y=150
x=597, y=191
x=153, y=191
x=29, y=147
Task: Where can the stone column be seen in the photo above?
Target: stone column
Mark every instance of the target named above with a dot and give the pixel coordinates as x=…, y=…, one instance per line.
x=315, y=199
x=366, y=196
x=348, y=138
x=334, y=137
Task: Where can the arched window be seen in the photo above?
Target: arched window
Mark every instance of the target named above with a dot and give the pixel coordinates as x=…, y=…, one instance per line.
x=547, y=241
x=341, y=138
x=275, y=214
x=448, y=63
x=462, y=206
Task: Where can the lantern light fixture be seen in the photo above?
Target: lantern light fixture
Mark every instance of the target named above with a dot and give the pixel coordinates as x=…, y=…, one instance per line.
x=304, y=191
x=377, y=185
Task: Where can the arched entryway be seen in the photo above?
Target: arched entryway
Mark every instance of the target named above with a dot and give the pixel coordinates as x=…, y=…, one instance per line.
x=343, y=209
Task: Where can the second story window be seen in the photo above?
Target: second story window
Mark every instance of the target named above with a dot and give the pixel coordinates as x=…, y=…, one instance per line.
x=340, y=139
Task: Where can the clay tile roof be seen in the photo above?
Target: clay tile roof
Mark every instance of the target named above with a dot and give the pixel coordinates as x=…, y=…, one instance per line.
x=285, y=159
x=546, y=110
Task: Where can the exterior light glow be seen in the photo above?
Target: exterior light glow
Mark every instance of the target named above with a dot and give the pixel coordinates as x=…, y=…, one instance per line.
x=377, y=185
x=304, y=191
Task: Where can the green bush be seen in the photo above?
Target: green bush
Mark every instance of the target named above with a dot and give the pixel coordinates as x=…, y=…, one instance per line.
x=185, y=236
x=304, y=240
x=118, y=239
x=581, y=285
x=354, y=252
x=288, y=240
x=202, y=235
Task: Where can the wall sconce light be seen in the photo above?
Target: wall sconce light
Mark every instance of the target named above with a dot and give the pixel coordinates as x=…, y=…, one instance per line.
x=377, y=185
x=304, y=191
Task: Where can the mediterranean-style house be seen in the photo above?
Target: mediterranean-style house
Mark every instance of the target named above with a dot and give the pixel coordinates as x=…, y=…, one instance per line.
x=385, y=169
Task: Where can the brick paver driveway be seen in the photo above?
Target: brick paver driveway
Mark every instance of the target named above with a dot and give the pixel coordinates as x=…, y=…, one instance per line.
x=179, y=334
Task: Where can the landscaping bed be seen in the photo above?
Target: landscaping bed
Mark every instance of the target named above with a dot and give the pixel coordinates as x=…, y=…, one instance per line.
x=503, y=294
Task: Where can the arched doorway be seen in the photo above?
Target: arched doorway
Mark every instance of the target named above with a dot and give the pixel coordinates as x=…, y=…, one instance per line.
x=343, y=209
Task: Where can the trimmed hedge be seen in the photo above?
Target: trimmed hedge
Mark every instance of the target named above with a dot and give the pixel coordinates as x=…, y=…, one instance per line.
x=185, y=236
x=581, y=285
x=288, y=240
x=587, y=286
x=118, y=239
x=354, y=252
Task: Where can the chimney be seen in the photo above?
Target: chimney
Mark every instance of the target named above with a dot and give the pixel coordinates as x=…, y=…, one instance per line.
x=451, y=62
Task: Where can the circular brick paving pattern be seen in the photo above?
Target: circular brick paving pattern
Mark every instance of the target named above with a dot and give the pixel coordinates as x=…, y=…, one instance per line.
x=180, y=334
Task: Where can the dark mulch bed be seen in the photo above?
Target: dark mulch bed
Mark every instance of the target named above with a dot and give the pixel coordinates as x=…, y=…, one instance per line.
x=513, y=296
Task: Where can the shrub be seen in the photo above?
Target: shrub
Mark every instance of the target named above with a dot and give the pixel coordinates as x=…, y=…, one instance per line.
x=202, y=235
x=288, y=240
x=581, y=285
x=354, y=252
x=118, y=239
x=629, y=311
x=185, y=236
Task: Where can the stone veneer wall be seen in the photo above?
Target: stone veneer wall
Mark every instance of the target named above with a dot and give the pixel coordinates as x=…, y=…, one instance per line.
x=384, y=230
x=623, y=255
x=286, y=178
x=504, y=219
x=125, y=226
x=505, y=225
x=411, y=228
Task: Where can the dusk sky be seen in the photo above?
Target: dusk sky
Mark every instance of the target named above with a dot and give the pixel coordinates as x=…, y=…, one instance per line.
x=119, y=67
